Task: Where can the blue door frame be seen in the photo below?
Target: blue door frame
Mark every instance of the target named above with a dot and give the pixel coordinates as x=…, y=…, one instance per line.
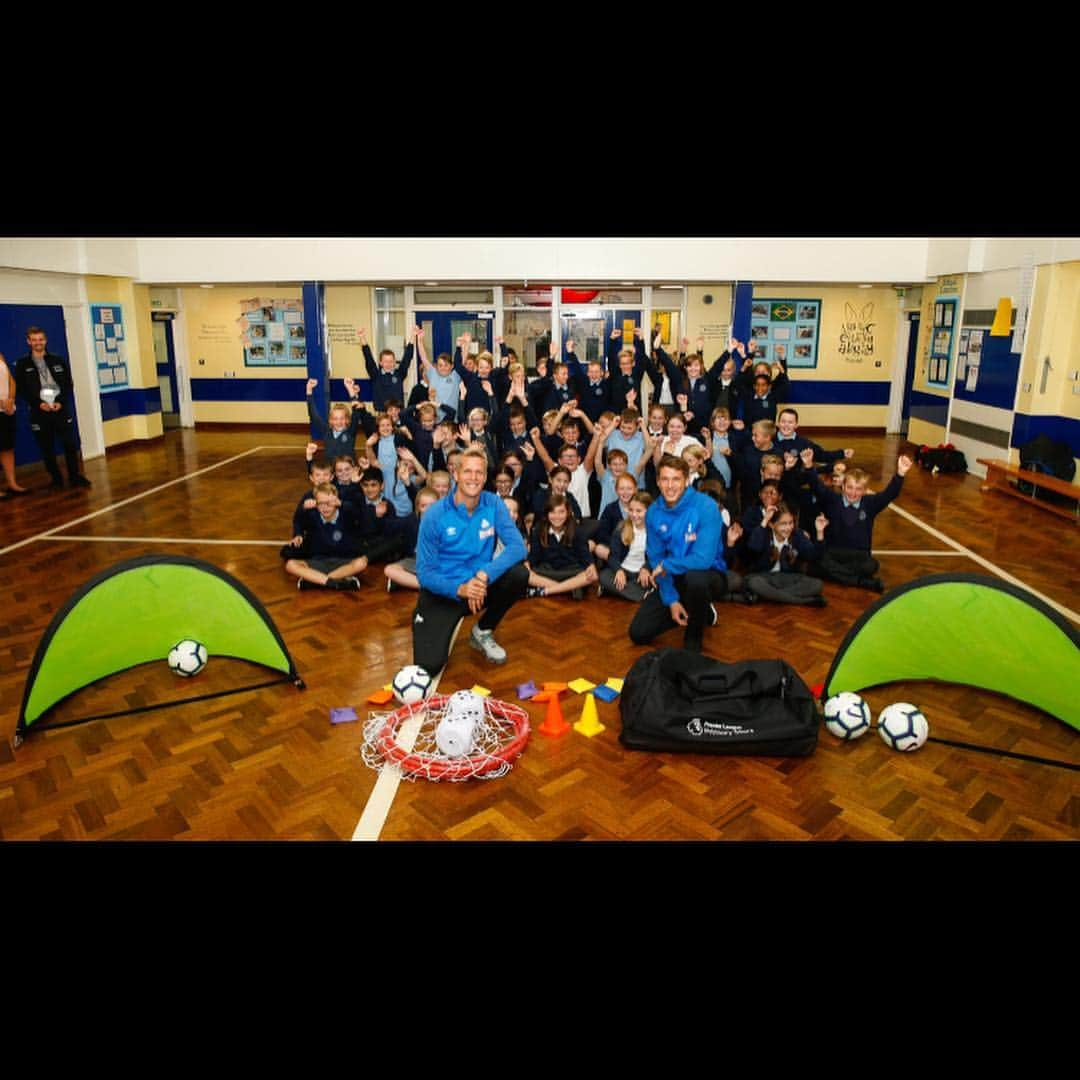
x=909, y=374
x=168, y=368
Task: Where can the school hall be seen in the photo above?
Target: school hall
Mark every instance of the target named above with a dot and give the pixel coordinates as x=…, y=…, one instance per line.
x=189, y=360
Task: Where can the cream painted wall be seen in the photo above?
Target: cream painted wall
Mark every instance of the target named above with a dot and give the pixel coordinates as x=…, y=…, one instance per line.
x=712, y=320
x=215, y=347
x=348, y=309
x=1054, y=332
x=134, y=301
x=840, y=307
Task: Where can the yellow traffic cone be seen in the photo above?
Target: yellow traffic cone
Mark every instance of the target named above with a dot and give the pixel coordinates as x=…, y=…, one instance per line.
x=589, y=724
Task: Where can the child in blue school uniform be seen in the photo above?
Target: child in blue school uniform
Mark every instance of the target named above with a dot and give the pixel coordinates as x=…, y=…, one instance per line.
x=559, y=559
x=628, y=574
x=777, y=550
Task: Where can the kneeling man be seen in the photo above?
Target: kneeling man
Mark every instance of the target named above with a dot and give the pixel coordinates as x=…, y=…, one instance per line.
x=685, y=545
x=458, y=570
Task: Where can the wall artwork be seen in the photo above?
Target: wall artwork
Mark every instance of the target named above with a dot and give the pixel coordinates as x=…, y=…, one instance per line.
x=786, y=331
x=110, y=348
x=942, y=334
x=272, y=333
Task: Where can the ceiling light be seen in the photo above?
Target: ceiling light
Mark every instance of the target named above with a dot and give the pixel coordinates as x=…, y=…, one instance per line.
x=206, y=286
x=866, y=286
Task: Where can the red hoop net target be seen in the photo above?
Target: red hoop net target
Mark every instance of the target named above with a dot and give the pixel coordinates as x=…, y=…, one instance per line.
x=406, y=738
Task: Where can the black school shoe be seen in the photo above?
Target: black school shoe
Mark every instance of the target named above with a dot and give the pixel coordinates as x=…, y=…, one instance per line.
x=303, y=583
x=874, y=584
x=345, y=584
x=79, y=482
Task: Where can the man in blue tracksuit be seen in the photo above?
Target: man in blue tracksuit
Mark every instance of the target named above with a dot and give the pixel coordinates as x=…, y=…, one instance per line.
x=685, y=548
x=458, y=570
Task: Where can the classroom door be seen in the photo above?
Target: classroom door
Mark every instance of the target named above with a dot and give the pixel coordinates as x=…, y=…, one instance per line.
x=909, y=374
x=165, y=360
x=15, y=319
x=443, y=328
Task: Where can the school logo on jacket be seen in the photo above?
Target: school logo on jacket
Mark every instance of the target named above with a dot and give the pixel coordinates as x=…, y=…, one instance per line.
x=337, y=535
x=451, y=530
x=695, y=726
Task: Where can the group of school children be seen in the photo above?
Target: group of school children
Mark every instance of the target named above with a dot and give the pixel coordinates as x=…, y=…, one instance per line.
x=576, y=464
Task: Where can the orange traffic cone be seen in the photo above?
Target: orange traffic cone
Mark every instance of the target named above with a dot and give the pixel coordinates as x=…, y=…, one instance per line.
x=554, y=724
x=589, y=724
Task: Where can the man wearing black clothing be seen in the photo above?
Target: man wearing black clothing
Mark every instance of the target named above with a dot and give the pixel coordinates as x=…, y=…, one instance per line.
x=44, y=383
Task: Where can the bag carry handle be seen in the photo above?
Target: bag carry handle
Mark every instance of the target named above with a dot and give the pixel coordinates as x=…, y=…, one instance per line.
x=696, y=676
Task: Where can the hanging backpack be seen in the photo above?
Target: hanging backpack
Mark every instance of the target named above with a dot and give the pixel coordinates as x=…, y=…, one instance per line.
x=675, y=700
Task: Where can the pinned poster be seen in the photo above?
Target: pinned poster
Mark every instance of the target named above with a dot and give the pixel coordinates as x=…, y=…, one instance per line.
x=1002, y=319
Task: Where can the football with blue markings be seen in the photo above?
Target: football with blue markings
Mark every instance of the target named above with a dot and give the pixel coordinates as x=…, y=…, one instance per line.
x=903, y=726
x=187, y=657
x=411, y=684
x=847, y=715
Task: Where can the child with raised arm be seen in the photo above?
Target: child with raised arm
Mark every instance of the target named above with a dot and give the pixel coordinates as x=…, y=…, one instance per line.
x=339, y=430
x=626, y=369
x=559, y=559
x=630, y=437
x=775, y=549
x=445, y=381
x=388, y=376
x=627, y=574
x=851, y=513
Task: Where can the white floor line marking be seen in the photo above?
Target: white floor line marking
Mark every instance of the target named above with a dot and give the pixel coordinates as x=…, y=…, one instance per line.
x=986, y=563
x=159, y=540
x=135, y=498
x=949, y=554
x=372, y=820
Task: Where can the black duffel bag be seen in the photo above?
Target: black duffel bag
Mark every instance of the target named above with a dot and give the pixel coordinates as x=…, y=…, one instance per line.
x=675, y=700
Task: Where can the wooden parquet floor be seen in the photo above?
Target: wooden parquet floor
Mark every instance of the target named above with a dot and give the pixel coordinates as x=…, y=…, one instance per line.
x=267, y=764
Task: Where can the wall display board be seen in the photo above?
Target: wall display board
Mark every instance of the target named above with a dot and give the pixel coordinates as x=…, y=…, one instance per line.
x=786, y=331
x=273, y=333
x=942, y=333
x=110, y=347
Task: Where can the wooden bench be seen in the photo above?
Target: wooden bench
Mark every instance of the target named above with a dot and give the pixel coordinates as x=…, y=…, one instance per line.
x=997, y=479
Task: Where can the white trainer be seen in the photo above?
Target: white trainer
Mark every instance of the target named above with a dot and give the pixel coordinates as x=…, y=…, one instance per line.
x=484, y=641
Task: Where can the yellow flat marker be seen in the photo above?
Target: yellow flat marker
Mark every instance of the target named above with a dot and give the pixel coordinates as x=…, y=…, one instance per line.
x=579, y=686
x=482, y=691
x=615, y=684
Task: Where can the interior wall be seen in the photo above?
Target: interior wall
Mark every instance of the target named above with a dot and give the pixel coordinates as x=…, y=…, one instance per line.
x=856, y=345
x=223, y=389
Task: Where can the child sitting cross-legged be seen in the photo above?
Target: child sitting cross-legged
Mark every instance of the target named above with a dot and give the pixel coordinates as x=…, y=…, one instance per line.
x=775, y=549
x=331, y=543
x=628, y=573
x=559, y=559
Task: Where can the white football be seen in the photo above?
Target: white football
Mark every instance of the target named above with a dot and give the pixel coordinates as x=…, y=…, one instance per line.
x=187, y=657
x=903, y=726
x=411, y=684
x=847, y=715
